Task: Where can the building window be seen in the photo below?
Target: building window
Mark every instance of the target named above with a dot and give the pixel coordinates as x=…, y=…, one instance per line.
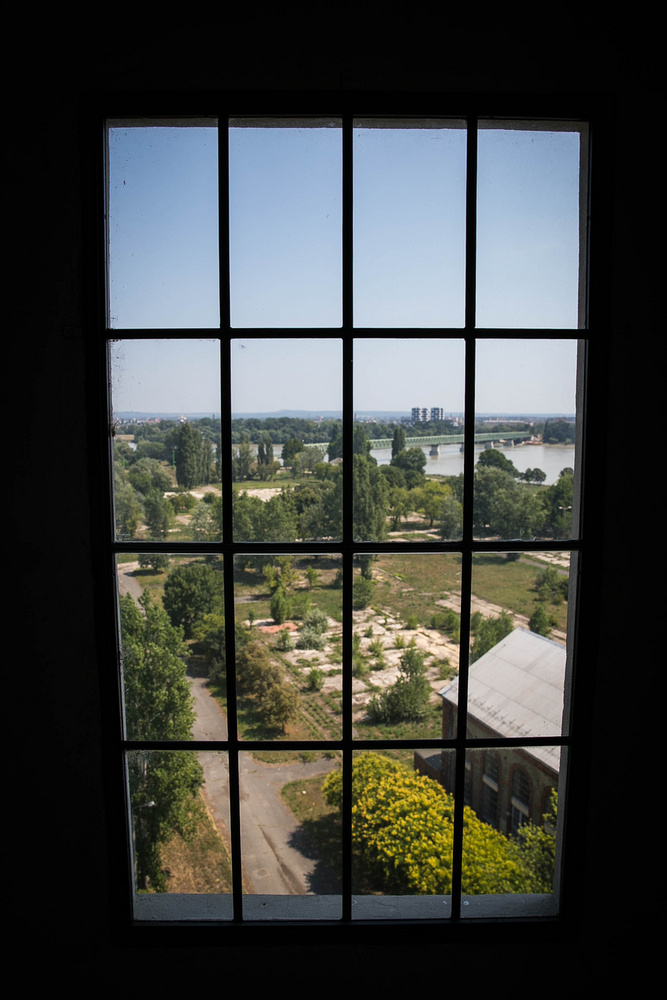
x=490, y=788
x=347, y=370
x=520, y=802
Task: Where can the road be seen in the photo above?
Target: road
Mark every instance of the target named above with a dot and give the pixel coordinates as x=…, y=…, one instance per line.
x=277, y=858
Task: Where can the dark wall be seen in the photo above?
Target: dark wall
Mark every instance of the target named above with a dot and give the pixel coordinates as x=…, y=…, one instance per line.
x=60, y=826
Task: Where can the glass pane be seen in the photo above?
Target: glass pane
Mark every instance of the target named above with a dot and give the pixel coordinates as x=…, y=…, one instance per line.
x=167, y=457
x=172, y=635
x=405, y=642
x=408, y=458
x=285, y=214
x=179, y=811
x=510, y=833
x=163, y=226
x=402, y=837
x=290, y=836
x=286, y=429
x=409, y=223
x=518, y=644
x=288, y=646
x=525, y=433
x=528, y=227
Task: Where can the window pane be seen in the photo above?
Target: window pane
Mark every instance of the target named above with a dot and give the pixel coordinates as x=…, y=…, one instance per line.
x=179, y=813
x=517, y=672
x=167, y=455
x=163, y=226
x=510, y=841
x=285, y=190
x=405, y=642
x=286, y=429
x=525, y=432
x=408, y=457
x=172, y=646
x=528, y=227
x=402, y=837
x=288, y=646
x=409, y=223
x=290, y=837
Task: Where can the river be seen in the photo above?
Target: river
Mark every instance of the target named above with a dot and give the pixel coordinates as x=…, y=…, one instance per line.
x=551, y=459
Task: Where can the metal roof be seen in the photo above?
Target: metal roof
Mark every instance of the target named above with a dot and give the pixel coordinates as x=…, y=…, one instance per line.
x=516, y=690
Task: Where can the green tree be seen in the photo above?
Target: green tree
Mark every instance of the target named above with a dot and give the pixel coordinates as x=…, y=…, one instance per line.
x=147, y=474
x=157, y=561
x=242, y=459
x=370, y=501
x=503, y=507
x=158, y=706
x=488, y=632
x=490, y=458
x=128, y=511
x=412, y=463
x=192, y=591
x=540, y=621
x=402, y=836
x=189, y=451
x=159, y=514
x=408, y=698
x=291, y=449
x=281, y=608
x=430, y=499
x=398, y=441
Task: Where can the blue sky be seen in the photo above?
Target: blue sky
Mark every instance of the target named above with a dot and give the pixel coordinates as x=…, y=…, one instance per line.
x=285, y=265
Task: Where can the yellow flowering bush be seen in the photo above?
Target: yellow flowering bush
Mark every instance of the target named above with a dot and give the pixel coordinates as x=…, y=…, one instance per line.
x=402, y=835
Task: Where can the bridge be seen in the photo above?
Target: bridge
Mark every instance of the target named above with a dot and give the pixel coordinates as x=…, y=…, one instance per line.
x=435, y=440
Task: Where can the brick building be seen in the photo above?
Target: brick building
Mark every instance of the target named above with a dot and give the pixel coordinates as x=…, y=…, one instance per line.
x=515, y=691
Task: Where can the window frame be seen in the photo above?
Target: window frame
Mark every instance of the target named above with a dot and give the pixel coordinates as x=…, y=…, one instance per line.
x=95, y=111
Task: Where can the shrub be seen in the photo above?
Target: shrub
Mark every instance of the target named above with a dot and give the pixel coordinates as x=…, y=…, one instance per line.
x=315, y=679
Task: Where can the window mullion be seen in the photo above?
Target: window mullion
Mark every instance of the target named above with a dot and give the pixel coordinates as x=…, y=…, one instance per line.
x=347, y=513
x=468, y=477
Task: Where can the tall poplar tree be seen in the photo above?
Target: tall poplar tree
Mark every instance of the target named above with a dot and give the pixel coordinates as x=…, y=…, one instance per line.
x=163, y=784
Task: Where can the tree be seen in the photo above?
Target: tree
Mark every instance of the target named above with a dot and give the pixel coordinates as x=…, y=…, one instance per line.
x=189, y=444
x=264, y=680
x=157, y=561
x=159, y=515
x=408, y=698
x=370, y=501
x=430, y=499
x=158, y=706
x=402, y=836
x=147, y=474
x=451, y=519
x=503, y=507
x=488, y=633
x=128, y=511
x=540, y=621
x=242, y=459
x=398, y=442
x=412, y=463
x=490, y=458
x=291, y=449
x=281, y=609
x=192, y=591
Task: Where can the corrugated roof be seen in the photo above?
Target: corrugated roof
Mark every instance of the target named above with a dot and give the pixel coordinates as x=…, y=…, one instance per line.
x=516, y=689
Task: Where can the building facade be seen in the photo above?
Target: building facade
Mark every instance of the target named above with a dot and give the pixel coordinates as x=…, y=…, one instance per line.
x=515, y=690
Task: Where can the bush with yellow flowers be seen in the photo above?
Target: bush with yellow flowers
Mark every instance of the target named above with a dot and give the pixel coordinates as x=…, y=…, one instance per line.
x=402, y=835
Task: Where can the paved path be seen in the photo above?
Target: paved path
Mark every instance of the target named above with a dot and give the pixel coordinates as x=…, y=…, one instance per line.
x=277, y=858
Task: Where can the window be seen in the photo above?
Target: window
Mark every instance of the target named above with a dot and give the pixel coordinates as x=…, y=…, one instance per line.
x=347, y=388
